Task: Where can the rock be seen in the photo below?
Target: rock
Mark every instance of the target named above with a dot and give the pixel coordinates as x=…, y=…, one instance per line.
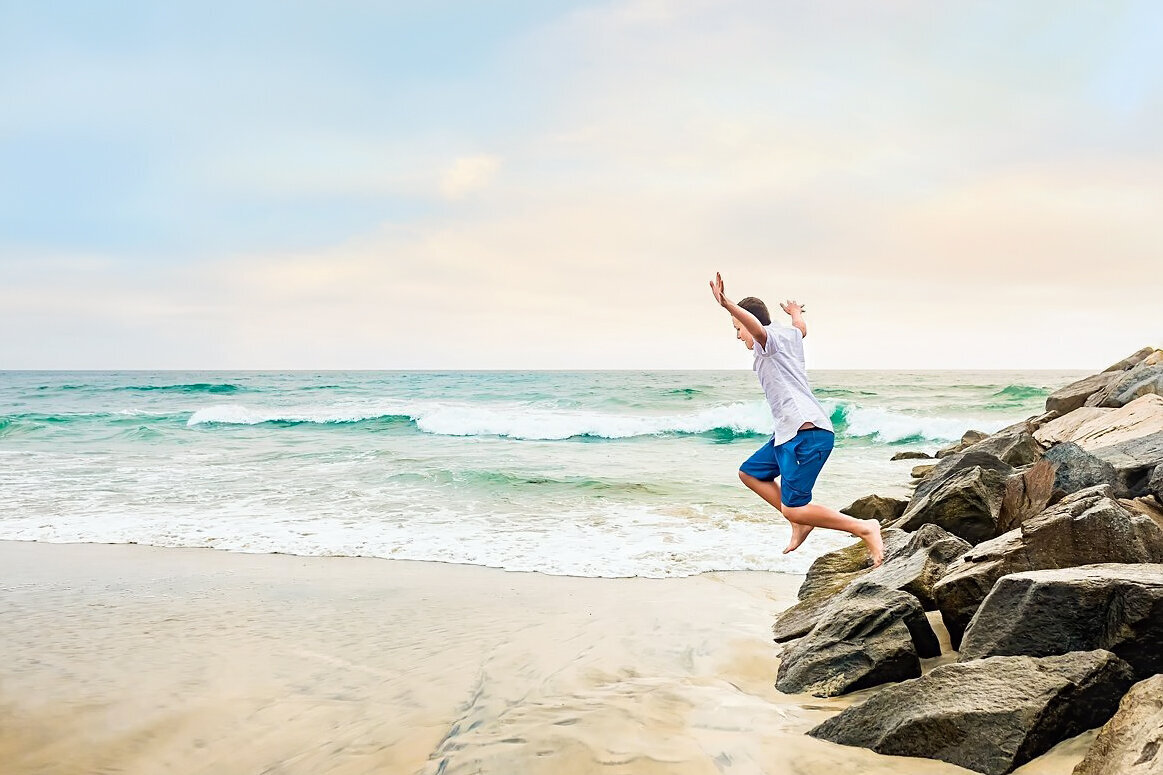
x=920, y=472
x=876, y=507
x=1133, y=360
x=1131, y=743
x=1155, y=483
x=1065, y=427
x=1107, y=427
x=912, y=456
x=963, y=494
x=1067, y=399
x=1154, y=359
x=868, y=635
x=1027, y=494
x=1075, y=469
x=1086, y=528
x=968, y=439
x=913, y=564
x=1015, y=446
x=1034, y=423
x=1117, y=607
x=1142, y=380
x=989, y=715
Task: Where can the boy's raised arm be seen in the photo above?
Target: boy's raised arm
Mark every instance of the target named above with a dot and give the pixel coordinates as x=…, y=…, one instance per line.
x=749, y=321
x=796, y=310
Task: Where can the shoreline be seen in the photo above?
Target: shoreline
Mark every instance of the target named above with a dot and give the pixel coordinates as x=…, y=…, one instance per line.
x=146, y=659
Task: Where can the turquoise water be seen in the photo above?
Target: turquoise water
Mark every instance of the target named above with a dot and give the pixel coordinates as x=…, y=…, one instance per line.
x=583, y=473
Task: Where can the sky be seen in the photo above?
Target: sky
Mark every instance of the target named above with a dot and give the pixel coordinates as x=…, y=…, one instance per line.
x=551, y=185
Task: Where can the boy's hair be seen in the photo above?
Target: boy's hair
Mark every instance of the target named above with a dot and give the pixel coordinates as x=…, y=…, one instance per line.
x=757, y=308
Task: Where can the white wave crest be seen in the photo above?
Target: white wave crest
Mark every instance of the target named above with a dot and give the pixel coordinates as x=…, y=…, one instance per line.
x=889, y=426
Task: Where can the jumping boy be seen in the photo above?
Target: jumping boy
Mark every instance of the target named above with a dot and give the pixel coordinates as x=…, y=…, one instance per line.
x=803, y=437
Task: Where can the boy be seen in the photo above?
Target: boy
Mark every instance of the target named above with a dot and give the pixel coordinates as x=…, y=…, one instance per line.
x=803, y=436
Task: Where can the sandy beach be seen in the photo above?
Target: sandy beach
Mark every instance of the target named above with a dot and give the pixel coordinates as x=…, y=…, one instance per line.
x=131, y=659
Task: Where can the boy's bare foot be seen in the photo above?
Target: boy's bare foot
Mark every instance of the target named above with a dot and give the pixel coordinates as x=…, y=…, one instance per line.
x=798, y=534
x=871, y=536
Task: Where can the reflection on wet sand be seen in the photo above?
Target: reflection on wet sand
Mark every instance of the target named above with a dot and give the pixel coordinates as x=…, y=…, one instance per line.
x=136, y=660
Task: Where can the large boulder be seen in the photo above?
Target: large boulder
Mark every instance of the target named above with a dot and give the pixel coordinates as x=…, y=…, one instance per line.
x=1134, y=461
x=913, y=563
x=1074, y=395
x=1142, y=380
x=868, y=635
x=876, y=507
x=1132, y=360
x=1131, y=743
x=1116, y=606
x=1155, y=483
x=1094, y=427
x=1087, y=528
x=963, y=495
x=989, y=715
x=1027, y=494
x=1014, y=446
x=1076, y=469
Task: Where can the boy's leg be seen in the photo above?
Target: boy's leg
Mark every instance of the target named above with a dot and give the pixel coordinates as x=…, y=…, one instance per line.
x=771, y=493
x=801, y=460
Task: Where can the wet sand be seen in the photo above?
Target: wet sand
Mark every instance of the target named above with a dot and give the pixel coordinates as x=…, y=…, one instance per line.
x=138, y=660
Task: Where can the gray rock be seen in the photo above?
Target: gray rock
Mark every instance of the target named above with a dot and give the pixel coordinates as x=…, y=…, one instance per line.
x=1132, y=360
x=1117, y=607
x=913, y=564
x=876, y=507
x=912, y=456
x=1076, y=469
x=1129, y=385
x=989, y=715
x=1065, y=400
x=1133, y=461
x=1087, y=528
x=868, y=635
x=1155, y=483
x=1131, y=743
x=1014, y=446
x=920, y=472
x=963, y=495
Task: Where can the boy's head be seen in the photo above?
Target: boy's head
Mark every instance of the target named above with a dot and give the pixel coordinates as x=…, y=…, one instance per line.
x=757, y=308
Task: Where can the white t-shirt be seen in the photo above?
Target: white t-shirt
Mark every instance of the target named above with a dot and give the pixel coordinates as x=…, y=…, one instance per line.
x=781, y=371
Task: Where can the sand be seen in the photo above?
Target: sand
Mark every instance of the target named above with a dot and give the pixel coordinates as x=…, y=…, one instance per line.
x=132, y=659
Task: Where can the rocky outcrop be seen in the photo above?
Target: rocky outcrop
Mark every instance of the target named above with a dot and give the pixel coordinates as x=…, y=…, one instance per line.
x=868, y=635
x=963, y=495
x=921, y=471
x=911, y=455
x=1076, y=469
x=1087, y=528
x=1155, y=483
x=1131, y=743
x=913, y=564
x=1142, y=380
x=989, y=715
x=1117, y=607
x=876, y=507
x=1094, y=428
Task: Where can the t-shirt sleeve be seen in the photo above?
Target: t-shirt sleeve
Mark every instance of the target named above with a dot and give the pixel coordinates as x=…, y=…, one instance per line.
x=779, y=338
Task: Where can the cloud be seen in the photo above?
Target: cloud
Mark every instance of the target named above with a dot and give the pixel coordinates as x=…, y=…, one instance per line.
x=468, y=174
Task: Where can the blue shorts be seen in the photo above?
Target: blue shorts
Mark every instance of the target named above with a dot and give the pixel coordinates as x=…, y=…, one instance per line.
x=797, y=461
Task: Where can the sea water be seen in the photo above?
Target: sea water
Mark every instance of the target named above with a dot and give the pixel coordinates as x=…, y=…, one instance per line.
x=616, y=473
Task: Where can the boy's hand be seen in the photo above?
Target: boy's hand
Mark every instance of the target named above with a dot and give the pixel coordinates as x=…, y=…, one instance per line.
x=792, y=308
x=717, y=290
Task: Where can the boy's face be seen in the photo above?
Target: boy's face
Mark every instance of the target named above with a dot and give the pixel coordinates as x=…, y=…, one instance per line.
x=742, y=334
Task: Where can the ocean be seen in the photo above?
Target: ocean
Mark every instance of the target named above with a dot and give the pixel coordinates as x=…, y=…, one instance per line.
x=610, y=474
